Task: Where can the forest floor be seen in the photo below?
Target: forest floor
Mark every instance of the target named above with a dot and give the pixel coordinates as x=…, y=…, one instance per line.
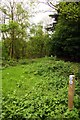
x=38, y=88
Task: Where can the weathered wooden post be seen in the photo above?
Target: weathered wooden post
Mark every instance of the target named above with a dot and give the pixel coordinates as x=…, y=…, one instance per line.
x=71, y=90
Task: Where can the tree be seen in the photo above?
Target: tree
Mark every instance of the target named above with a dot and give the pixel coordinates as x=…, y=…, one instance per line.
x=39, y=43
x=66, y=39
x=15, y=28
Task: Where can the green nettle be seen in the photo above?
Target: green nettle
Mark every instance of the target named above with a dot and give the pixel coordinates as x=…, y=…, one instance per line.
x=39, y=90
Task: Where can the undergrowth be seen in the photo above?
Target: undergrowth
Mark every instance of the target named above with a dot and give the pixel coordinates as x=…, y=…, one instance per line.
x=46, y=98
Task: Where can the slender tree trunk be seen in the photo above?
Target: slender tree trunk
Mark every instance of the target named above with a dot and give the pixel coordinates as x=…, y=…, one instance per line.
x=12, y=51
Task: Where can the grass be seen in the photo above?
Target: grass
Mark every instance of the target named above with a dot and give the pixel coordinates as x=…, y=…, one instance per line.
x=43, y=81
x=21, y=77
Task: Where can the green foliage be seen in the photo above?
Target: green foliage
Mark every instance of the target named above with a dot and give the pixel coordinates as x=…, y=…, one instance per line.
x=66, y=37
x=4, y=27
x=14, y=30
x=39, y=90
x=19, y=48
x=70, y=11
x=39, y=43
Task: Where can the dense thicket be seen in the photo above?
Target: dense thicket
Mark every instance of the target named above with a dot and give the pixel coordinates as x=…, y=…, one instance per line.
x=66, y=39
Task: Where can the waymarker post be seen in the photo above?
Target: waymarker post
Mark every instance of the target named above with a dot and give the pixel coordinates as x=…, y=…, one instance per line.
x=71, y=90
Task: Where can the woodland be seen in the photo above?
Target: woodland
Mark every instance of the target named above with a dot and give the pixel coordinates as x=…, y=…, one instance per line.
x=22, y=40
x=36, y=62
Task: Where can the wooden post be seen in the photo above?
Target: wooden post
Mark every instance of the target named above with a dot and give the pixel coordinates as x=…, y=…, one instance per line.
x=71, y=90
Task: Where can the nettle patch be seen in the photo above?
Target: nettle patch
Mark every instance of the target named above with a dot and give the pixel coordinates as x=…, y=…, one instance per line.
x=48, y=98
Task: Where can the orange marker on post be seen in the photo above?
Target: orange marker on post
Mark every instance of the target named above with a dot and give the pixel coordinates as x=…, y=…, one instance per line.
x=71, y=91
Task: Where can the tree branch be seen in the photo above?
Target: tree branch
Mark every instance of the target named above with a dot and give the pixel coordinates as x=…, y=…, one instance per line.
x=52, y=5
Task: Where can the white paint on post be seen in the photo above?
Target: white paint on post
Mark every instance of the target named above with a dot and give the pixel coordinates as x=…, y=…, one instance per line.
x=71, y=79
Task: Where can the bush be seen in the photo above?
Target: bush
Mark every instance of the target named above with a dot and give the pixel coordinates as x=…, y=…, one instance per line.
x=7, y=63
